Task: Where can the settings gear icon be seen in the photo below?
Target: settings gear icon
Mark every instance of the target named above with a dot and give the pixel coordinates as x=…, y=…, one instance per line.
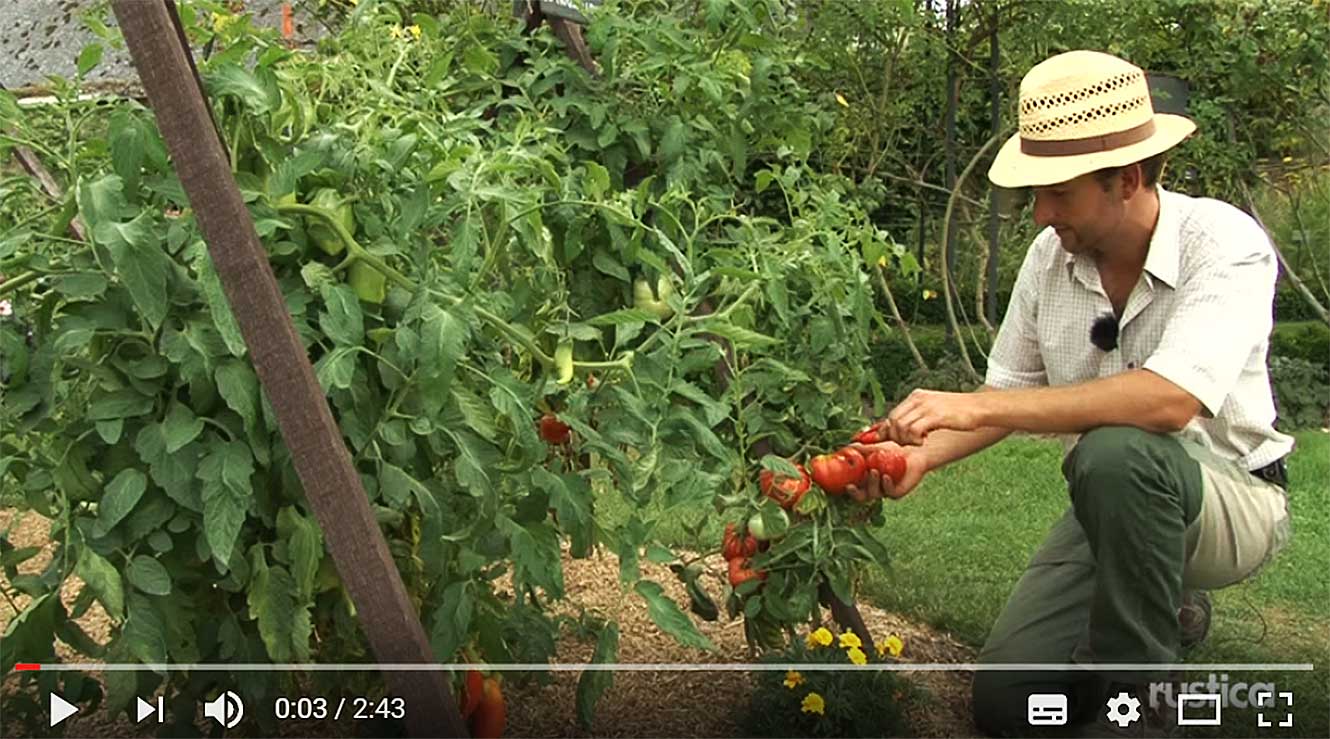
x=1124, y=709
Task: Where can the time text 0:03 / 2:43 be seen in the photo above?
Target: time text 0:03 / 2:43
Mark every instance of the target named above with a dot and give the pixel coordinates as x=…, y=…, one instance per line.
x=356, y=708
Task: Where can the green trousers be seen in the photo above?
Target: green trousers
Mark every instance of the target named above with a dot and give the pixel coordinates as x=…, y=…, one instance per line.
x=1150, y=514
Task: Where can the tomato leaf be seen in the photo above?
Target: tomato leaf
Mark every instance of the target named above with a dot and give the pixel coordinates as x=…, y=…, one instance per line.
x=666, y=614
x=148, y=575
x=103, y=579
x=593, y=683
x=452, y=621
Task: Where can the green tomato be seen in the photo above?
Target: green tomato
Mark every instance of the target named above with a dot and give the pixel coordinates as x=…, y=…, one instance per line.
x=758, y=528
x=322, y=234
x=656, y=303
x=369, y=283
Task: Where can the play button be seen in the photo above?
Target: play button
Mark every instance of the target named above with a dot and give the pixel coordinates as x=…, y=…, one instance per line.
x=61, y=709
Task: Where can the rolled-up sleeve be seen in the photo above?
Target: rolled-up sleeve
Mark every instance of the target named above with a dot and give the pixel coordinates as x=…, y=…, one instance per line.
x=1015, y=361
x=1222, y=315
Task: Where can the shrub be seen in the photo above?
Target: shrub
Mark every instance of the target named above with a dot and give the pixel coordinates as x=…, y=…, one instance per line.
x=1302, y=392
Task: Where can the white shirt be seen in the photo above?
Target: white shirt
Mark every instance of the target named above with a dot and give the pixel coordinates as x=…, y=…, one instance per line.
x=1200, y=316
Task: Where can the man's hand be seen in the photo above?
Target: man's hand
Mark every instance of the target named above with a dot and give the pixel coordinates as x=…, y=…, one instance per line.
x=928, y=410
x=876, y=485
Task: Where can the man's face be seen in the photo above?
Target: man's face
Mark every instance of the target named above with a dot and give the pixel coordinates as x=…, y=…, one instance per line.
x=1084, y=215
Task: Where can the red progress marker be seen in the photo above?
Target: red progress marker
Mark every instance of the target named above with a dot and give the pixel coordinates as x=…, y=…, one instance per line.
x=26, y=666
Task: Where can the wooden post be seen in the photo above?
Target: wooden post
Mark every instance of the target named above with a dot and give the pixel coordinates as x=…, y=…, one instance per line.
x=321, y=459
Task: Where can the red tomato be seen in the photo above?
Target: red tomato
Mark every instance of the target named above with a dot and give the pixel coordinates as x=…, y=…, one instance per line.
x=890, y=464
x=787, y=491
x=835, y=472
x=472, y=690
x=869, y=435
x=741, y=572
x=554, y=431
x=734, y=548
x=491, y=716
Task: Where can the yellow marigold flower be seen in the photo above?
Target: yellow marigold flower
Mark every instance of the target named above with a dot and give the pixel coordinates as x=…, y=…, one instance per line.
x=857, y=656
x=820, y=638
x=848, y=639
x=793, y=679
x=892, y=645
x=813, y=703
x=415, y=31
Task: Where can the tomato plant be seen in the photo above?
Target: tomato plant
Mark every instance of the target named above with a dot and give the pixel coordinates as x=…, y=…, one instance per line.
x=453, y=257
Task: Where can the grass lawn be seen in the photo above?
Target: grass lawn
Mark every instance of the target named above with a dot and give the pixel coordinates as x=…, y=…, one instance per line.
x=963, y=538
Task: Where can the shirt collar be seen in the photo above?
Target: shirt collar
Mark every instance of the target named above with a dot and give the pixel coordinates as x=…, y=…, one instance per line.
x=1161, y=260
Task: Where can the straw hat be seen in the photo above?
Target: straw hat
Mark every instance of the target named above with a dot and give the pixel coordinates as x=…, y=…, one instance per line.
x=1079, y=112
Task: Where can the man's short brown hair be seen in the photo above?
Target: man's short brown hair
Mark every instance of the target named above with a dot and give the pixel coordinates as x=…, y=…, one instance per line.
x=1150, y=170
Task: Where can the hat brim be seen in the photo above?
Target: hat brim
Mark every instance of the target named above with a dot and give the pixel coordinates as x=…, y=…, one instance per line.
x=1013, y=168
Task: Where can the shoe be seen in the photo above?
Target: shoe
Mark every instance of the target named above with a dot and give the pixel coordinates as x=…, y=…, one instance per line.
x=1194, y=617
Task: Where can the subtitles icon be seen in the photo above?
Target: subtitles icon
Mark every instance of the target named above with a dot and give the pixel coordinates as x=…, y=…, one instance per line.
x=1046, y=709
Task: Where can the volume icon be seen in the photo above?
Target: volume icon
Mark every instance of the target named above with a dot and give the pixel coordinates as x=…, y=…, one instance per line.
x=226, y=709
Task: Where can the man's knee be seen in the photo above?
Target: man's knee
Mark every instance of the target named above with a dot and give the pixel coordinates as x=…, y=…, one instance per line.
x=1112, y=462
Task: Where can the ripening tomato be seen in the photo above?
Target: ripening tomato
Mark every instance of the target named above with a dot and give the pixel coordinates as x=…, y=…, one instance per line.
x=741, y=572
x=889, y=463
x=839, y=470
x=491, y=715
x=732, y=547
x=553, y=431
x=787, y=491
x=869, y=435
x=472, y=690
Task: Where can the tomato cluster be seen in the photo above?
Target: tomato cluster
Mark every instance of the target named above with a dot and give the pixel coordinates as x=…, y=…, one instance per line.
x=738, y=551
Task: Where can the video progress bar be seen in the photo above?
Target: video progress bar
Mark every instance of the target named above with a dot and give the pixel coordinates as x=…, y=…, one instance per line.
x=657, y=667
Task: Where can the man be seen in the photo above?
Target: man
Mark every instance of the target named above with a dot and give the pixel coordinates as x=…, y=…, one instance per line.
x=1138, y=329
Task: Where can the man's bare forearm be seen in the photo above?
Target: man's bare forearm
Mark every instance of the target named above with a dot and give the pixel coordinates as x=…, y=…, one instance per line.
x=1137, y=398
x=943, y=447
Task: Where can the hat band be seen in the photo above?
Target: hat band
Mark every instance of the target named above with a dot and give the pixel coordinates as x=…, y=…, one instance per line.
x=1091, y=145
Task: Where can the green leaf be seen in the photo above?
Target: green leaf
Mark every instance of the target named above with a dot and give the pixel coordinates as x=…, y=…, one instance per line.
x=741, y=337
x=225, y=472
x=122, y=494
x=174, y=473
x=607, y=263
x=593, y=683
x=674, y=141
x=666, y=614
x=119, y=404
x=343, y=321
x=536, y=557
x=284, y=625
x=101, y=577
x=479, y=415
x=81, y=285
x=304, y=541
x=234, y=80
x=397, y=486
x=623, y=316
x=452, y=622
x=89, y=58
x=219, y=306
x=597, y=180
x=239, y=387
x=180, y=427
x=148, y=575
x=141, y=263
x=337, y=369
